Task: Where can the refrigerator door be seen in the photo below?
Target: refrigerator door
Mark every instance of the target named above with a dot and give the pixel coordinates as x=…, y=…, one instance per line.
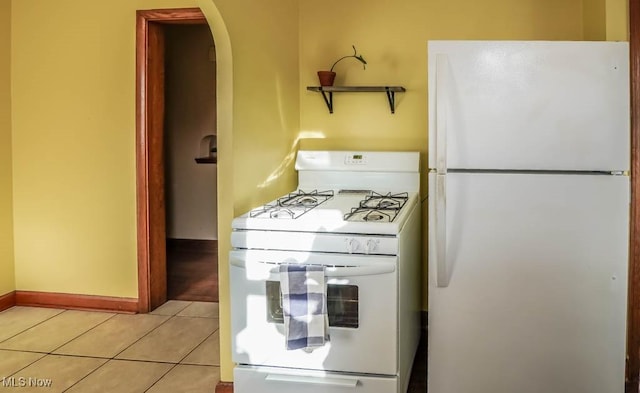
x=529, y=105
x=534, y=294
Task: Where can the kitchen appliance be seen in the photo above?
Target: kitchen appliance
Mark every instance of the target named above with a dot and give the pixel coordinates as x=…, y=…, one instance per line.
x=528, y=216
x=357, y=214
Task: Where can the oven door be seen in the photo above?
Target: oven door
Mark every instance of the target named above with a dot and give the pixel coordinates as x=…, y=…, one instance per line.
x=361, y=302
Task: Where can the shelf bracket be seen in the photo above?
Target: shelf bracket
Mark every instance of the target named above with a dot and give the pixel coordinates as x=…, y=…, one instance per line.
x=328, y=99
x=391, y=95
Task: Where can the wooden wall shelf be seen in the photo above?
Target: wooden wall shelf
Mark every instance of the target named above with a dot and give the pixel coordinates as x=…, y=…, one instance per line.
x=207, y=160
x=327, y=93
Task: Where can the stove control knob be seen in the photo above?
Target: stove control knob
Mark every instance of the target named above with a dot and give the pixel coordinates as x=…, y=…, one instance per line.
x=372, y=246
x=352, y=245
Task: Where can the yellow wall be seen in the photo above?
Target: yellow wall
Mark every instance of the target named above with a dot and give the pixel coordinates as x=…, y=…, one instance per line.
x=264, y=44
x=594, y=18
x=605, y=20
x=7, y=282
x=73, y=79
x=617, y=20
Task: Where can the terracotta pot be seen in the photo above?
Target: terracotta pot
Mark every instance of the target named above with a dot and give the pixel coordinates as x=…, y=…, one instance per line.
x=326, y=78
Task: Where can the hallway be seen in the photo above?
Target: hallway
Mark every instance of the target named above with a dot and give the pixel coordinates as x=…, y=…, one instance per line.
x=192, y=270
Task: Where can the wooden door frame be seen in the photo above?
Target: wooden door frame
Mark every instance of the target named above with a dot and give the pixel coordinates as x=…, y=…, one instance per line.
x=633, y=325
x=152, y=284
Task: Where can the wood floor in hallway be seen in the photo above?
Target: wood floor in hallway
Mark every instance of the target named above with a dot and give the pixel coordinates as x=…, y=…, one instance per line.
x=192, y=270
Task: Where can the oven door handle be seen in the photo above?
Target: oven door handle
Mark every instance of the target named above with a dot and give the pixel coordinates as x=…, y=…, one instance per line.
x=331, y=271
x=327, y=381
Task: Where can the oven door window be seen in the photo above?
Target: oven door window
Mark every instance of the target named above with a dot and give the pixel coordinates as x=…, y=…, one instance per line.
x=342, y=304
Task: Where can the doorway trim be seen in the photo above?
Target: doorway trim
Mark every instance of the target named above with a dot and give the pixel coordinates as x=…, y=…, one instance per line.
x=633, y=324
x=152, y=281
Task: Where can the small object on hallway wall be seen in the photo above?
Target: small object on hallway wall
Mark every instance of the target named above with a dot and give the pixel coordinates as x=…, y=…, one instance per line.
x=327, y=77
x=208, y=150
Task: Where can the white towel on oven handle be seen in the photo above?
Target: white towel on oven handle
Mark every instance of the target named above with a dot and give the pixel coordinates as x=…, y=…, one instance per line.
x=304, y=306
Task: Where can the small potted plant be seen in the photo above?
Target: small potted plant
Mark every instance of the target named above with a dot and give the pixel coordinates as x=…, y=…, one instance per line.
x=327, y=77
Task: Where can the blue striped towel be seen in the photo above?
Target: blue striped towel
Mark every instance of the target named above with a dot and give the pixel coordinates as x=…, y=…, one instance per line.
x=304, y=305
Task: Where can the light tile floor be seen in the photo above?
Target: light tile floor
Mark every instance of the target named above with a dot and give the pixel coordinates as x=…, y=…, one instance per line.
x=173, y=349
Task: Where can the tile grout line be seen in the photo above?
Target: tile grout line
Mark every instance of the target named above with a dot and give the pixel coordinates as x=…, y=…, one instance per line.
x=27, y=365
x=157, y=327
x=200, y=316
x=141, y=337
x=205, y=339
x=189, y=303
x=196, y=347
x=32, y=326
x=162, y=376
x=65, y=343
x=81, y=334
x=90, y=373
x=171, y=316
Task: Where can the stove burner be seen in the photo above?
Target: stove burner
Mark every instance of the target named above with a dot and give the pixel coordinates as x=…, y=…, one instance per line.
x=388, y=201
x=374, y=216
x=292, y=205
x=282, y=213
x=305, y=199
x=378, y=208
x=371, y=215
x=262, y=210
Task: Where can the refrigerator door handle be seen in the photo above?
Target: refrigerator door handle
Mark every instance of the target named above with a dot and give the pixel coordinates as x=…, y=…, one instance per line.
x=442, y=75
x=442, y=275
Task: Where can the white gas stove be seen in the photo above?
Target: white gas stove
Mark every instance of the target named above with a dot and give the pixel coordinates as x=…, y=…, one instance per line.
x=344, y=210
x=336, y=221
x=358, y=215
x=343, y=192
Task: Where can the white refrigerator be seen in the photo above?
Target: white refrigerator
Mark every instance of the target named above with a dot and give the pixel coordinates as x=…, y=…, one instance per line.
x=528, y=216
